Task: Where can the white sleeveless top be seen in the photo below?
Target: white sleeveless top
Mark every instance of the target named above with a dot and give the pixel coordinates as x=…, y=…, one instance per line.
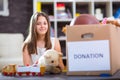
x=40, y=52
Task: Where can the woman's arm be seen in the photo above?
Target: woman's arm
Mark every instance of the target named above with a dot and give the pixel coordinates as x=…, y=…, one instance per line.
x=26, y=57
x=58, y=48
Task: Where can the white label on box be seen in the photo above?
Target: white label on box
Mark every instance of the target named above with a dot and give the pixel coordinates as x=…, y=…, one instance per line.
x=89, y=55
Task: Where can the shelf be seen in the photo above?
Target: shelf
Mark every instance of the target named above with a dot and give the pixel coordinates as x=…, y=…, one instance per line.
x=63, y=0
x=116, y=8
x=83, y=1
x=82, y=7
x=63, y=20
x=62, y=16
x=101, y=0
x=45, y=1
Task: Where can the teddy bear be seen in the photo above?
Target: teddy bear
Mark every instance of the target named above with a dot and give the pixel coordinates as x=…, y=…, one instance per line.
x=112, y=21
x=50, y=59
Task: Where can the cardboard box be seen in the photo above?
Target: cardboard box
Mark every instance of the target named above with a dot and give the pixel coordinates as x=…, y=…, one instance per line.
x=93, y=49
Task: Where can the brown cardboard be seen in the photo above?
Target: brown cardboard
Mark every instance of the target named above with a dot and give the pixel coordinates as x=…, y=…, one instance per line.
x=100, y=32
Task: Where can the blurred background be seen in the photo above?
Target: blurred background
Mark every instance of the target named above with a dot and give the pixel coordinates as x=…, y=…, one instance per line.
x=16, y=20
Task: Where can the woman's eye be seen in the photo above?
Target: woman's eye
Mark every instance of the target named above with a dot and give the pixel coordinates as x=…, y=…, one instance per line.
x=45, y=23
x=38, y=23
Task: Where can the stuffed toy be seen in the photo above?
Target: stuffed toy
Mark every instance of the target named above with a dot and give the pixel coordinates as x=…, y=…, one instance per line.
x=112, y=21
x=50, y=59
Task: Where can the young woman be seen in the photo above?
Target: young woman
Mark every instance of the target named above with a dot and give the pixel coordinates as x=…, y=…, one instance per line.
x=39, y=39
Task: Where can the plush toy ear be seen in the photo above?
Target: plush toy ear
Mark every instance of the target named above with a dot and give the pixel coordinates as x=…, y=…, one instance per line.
x=47, y=56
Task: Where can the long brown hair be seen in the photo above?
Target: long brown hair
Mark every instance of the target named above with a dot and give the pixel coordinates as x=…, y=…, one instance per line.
x=31, y=40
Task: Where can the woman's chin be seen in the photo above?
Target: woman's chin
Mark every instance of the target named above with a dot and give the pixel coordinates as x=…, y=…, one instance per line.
x=42, y=33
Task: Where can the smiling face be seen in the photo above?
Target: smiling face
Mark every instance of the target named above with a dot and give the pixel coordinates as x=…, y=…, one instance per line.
x=42, y=25
x=39, y=29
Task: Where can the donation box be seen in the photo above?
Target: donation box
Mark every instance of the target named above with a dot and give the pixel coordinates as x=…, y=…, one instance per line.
x=93, y=49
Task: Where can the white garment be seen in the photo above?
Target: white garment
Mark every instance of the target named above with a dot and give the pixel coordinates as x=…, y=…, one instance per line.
x=40, y=52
